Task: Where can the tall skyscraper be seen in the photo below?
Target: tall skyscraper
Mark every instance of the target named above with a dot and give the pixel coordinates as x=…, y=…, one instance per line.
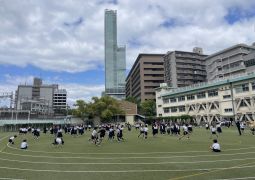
x=115, y=58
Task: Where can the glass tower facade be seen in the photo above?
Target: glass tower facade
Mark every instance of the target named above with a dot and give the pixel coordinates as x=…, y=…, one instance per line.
x=115, y=58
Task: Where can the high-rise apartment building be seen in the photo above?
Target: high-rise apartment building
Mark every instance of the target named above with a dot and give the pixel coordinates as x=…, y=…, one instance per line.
x=184, y=68
x=146, y=74
x=115, y=58
x=229, y=62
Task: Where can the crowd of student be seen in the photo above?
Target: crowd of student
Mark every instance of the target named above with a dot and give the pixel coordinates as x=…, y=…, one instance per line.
x=115, y=132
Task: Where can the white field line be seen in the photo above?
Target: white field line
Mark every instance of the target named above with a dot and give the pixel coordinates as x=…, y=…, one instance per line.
x=238, y=178
x=135, y=163
x=10, y=178
x=118, y=158
x=252, y=147
x=3, y=139
x=125, y=171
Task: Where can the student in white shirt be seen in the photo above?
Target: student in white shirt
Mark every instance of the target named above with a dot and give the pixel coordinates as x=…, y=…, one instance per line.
x=206, y=126
x=213, y=132
x=11, y=139
x=242, y=127
x=24, y=144
x=185, y=131
x=94, y=136
x=141, y=131
x=215, y=146
x=58, y=141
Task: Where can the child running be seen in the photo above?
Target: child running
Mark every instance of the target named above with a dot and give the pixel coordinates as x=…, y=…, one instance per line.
x=94, y=136
x=58, y=141
x=11, y=139
x=213, y=132
x=141, y=131
x=145, y=130
x=185, y=131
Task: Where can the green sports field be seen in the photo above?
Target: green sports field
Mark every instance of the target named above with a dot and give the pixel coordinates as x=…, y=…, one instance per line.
x=162, y=157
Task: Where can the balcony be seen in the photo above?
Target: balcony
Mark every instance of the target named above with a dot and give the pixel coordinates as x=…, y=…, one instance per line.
x=233, y=69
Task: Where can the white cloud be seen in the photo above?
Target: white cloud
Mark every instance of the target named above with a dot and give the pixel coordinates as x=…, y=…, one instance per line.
x=34, y=32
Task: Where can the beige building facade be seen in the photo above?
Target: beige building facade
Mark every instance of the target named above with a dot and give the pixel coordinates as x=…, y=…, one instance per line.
x=225, y=99
x=146, y=74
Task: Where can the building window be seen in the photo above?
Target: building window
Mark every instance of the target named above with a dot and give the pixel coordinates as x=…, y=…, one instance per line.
x=173, y=109
x=226, y=96
x=172, y=100
x=212, y=93
x=182, y=109
x=253, y=86
x=242, y=88
x=228, y=110
x=250, y=62
x=160, y=115
x=166, y=110
x=190, y=97
x=181, y=98
x=201, y=95
x=159, y=105
x=166, y=101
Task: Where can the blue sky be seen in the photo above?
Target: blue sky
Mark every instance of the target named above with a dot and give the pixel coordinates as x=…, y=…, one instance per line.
x=64, y=42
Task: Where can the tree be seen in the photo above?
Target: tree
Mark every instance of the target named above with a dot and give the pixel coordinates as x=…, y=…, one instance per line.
x=132, y=99
x=80, y=111
x=148, y=108
x=104, y=108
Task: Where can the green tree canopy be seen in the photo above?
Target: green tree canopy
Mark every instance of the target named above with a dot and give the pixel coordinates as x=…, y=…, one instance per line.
x=104, y=108
x=148, y=108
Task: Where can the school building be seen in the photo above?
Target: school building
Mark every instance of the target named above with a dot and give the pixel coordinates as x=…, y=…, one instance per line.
x=224, y=99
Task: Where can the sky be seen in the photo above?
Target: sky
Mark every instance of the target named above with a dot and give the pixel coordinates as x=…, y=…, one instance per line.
x=63, y=41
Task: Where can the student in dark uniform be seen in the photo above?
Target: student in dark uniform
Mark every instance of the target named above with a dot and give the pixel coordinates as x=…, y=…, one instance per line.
x=190, y=128
x=60, y=134
x=154, y=130
x=51, y=130
x=66, y=129
x=168, y=129
x=218, y=127
x=129, y=127
x=111, y=133
x=44, y=130
x=120, y=133
x=238, y=127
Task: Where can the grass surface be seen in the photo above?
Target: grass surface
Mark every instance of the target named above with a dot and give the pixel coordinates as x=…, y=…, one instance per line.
x=162, y=157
